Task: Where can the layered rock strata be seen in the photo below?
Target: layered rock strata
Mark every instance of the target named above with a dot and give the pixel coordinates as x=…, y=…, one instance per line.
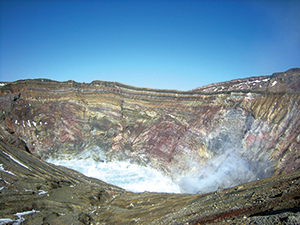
x=251, y=133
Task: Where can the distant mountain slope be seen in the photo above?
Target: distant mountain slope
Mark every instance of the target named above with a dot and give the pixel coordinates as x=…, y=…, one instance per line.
x=278, y=82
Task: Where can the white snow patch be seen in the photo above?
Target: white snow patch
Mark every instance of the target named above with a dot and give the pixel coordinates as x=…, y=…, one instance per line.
x=28, y=123
x=17, y=161
x=265, y=80
x=25, y=213
x=274, y=83
x=21, y=214
x=34, y=123
x=2, y=84
x=171, y=116
x=41, y=192
x=6, y=221
x=6, y=171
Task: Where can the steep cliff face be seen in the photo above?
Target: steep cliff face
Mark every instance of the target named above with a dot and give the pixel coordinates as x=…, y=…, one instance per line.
x=249, y=132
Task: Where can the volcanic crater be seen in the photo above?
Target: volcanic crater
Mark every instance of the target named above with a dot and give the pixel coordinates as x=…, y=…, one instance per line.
x=233, y=147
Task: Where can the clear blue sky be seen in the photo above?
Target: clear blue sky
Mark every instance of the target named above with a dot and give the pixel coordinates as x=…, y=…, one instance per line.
x=157, y=44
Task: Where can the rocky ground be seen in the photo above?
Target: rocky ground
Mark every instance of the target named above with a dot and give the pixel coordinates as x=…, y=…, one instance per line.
x=34, y=192
x=237, y=131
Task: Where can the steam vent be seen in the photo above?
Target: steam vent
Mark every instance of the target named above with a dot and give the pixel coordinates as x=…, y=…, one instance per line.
x=232, y=147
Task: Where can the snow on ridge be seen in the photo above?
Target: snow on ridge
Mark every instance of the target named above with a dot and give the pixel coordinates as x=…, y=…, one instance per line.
x=17, y=161
x=21, y=214
x=6, y=171
x=239, y=85
x=25, y=213
x=20, y=217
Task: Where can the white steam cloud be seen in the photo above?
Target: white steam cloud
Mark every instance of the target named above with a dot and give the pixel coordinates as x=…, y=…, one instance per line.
x=223, y=171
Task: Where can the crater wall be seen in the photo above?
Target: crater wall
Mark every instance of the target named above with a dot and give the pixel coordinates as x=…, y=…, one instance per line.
x=187, y=135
